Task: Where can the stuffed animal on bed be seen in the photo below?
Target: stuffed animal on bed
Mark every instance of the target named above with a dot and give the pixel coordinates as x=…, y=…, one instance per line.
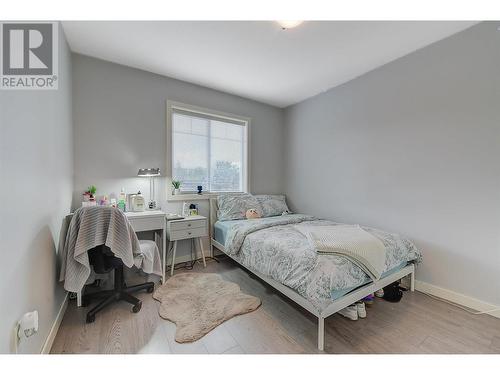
x=252, y=213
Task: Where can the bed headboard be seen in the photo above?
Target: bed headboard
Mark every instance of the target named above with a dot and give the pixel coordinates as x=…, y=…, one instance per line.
x=213, y=208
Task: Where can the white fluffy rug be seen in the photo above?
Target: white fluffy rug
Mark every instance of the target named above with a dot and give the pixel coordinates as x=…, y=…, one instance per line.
x=199, y=302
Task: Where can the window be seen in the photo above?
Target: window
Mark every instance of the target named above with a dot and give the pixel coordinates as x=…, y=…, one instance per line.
x=208, y=149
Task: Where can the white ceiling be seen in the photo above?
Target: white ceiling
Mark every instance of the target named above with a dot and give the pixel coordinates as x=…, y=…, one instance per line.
x=257, y=59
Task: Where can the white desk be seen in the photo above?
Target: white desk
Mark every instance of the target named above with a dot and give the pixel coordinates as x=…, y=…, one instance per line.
x=153, y=220
x=144, y=221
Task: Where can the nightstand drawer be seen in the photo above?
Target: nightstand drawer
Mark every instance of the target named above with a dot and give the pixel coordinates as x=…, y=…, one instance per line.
x=188, y=224
x=175, y=235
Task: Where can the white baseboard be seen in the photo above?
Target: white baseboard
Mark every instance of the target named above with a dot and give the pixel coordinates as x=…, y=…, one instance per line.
x=55, y=327
x=458, y=298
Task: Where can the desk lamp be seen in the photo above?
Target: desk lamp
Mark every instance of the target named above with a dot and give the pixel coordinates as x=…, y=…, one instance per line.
x=151, y=173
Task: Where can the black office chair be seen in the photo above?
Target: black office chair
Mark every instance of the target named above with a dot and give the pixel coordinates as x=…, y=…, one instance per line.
x=103, y=261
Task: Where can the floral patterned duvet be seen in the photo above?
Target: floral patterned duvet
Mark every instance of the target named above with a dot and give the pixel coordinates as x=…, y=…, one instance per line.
x=276, y=248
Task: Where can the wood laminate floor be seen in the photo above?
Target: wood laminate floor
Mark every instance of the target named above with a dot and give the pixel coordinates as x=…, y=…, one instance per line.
x=417, y=324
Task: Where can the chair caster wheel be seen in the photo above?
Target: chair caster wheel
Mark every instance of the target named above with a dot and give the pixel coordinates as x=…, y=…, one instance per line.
x=150, y=289
x=90, y=318
x=137, y=307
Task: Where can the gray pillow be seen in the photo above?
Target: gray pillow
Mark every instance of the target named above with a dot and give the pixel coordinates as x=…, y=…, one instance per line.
x=272, y=205
x=235, y=206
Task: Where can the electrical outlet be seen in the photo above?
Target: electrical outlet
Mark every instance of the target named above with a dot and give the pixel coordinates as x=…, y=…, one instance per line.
x=28, y=325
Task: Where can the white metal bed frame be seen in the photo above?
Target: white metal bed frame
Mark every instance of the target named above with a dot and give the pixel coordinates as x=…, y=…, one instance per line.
x=333, y=307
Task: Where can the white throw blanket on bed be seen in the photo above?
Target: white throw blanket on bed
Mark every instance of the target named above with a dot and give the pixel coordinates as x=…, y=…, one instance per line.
x=350, y=241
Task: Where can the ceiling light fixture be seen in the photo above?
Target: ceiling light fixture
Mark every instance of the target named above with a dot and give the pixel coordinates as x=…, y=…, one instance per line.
x=289, y=24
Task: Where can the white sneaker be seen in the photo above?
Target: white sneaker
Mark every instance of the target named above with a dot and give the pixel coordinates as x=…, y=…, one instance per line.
x=360, y=306
x=379, y=293
x=350, y=312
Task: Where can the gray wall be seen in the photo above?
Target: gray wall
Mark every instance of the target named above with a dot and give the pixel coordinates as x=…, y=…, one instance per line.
x=119, y=127
x=412, y=147
x=36, y=169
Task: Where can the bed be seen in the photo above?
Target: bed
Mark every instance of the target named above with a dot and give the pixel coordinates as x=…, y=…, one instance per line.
x=275, y=250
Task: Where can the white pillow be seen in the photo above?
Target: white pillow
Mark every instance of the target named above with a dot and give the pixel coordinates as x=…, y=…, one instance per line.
x=272, y=205
x=235, y=206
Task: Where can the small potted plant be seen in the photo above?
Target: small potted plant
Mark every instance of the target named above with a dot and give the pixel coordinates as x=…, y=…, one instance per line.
x=177, y=187
x=91, y=190
x=89, y=196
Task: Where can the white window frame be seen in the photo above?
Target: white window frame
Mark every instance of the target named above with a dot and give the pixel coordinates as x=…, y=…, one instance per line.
x=223, y=116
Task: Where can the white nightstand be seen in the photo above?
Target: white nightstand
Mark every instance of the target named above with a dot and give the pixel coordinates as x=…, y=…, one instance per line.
x=191, y=227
